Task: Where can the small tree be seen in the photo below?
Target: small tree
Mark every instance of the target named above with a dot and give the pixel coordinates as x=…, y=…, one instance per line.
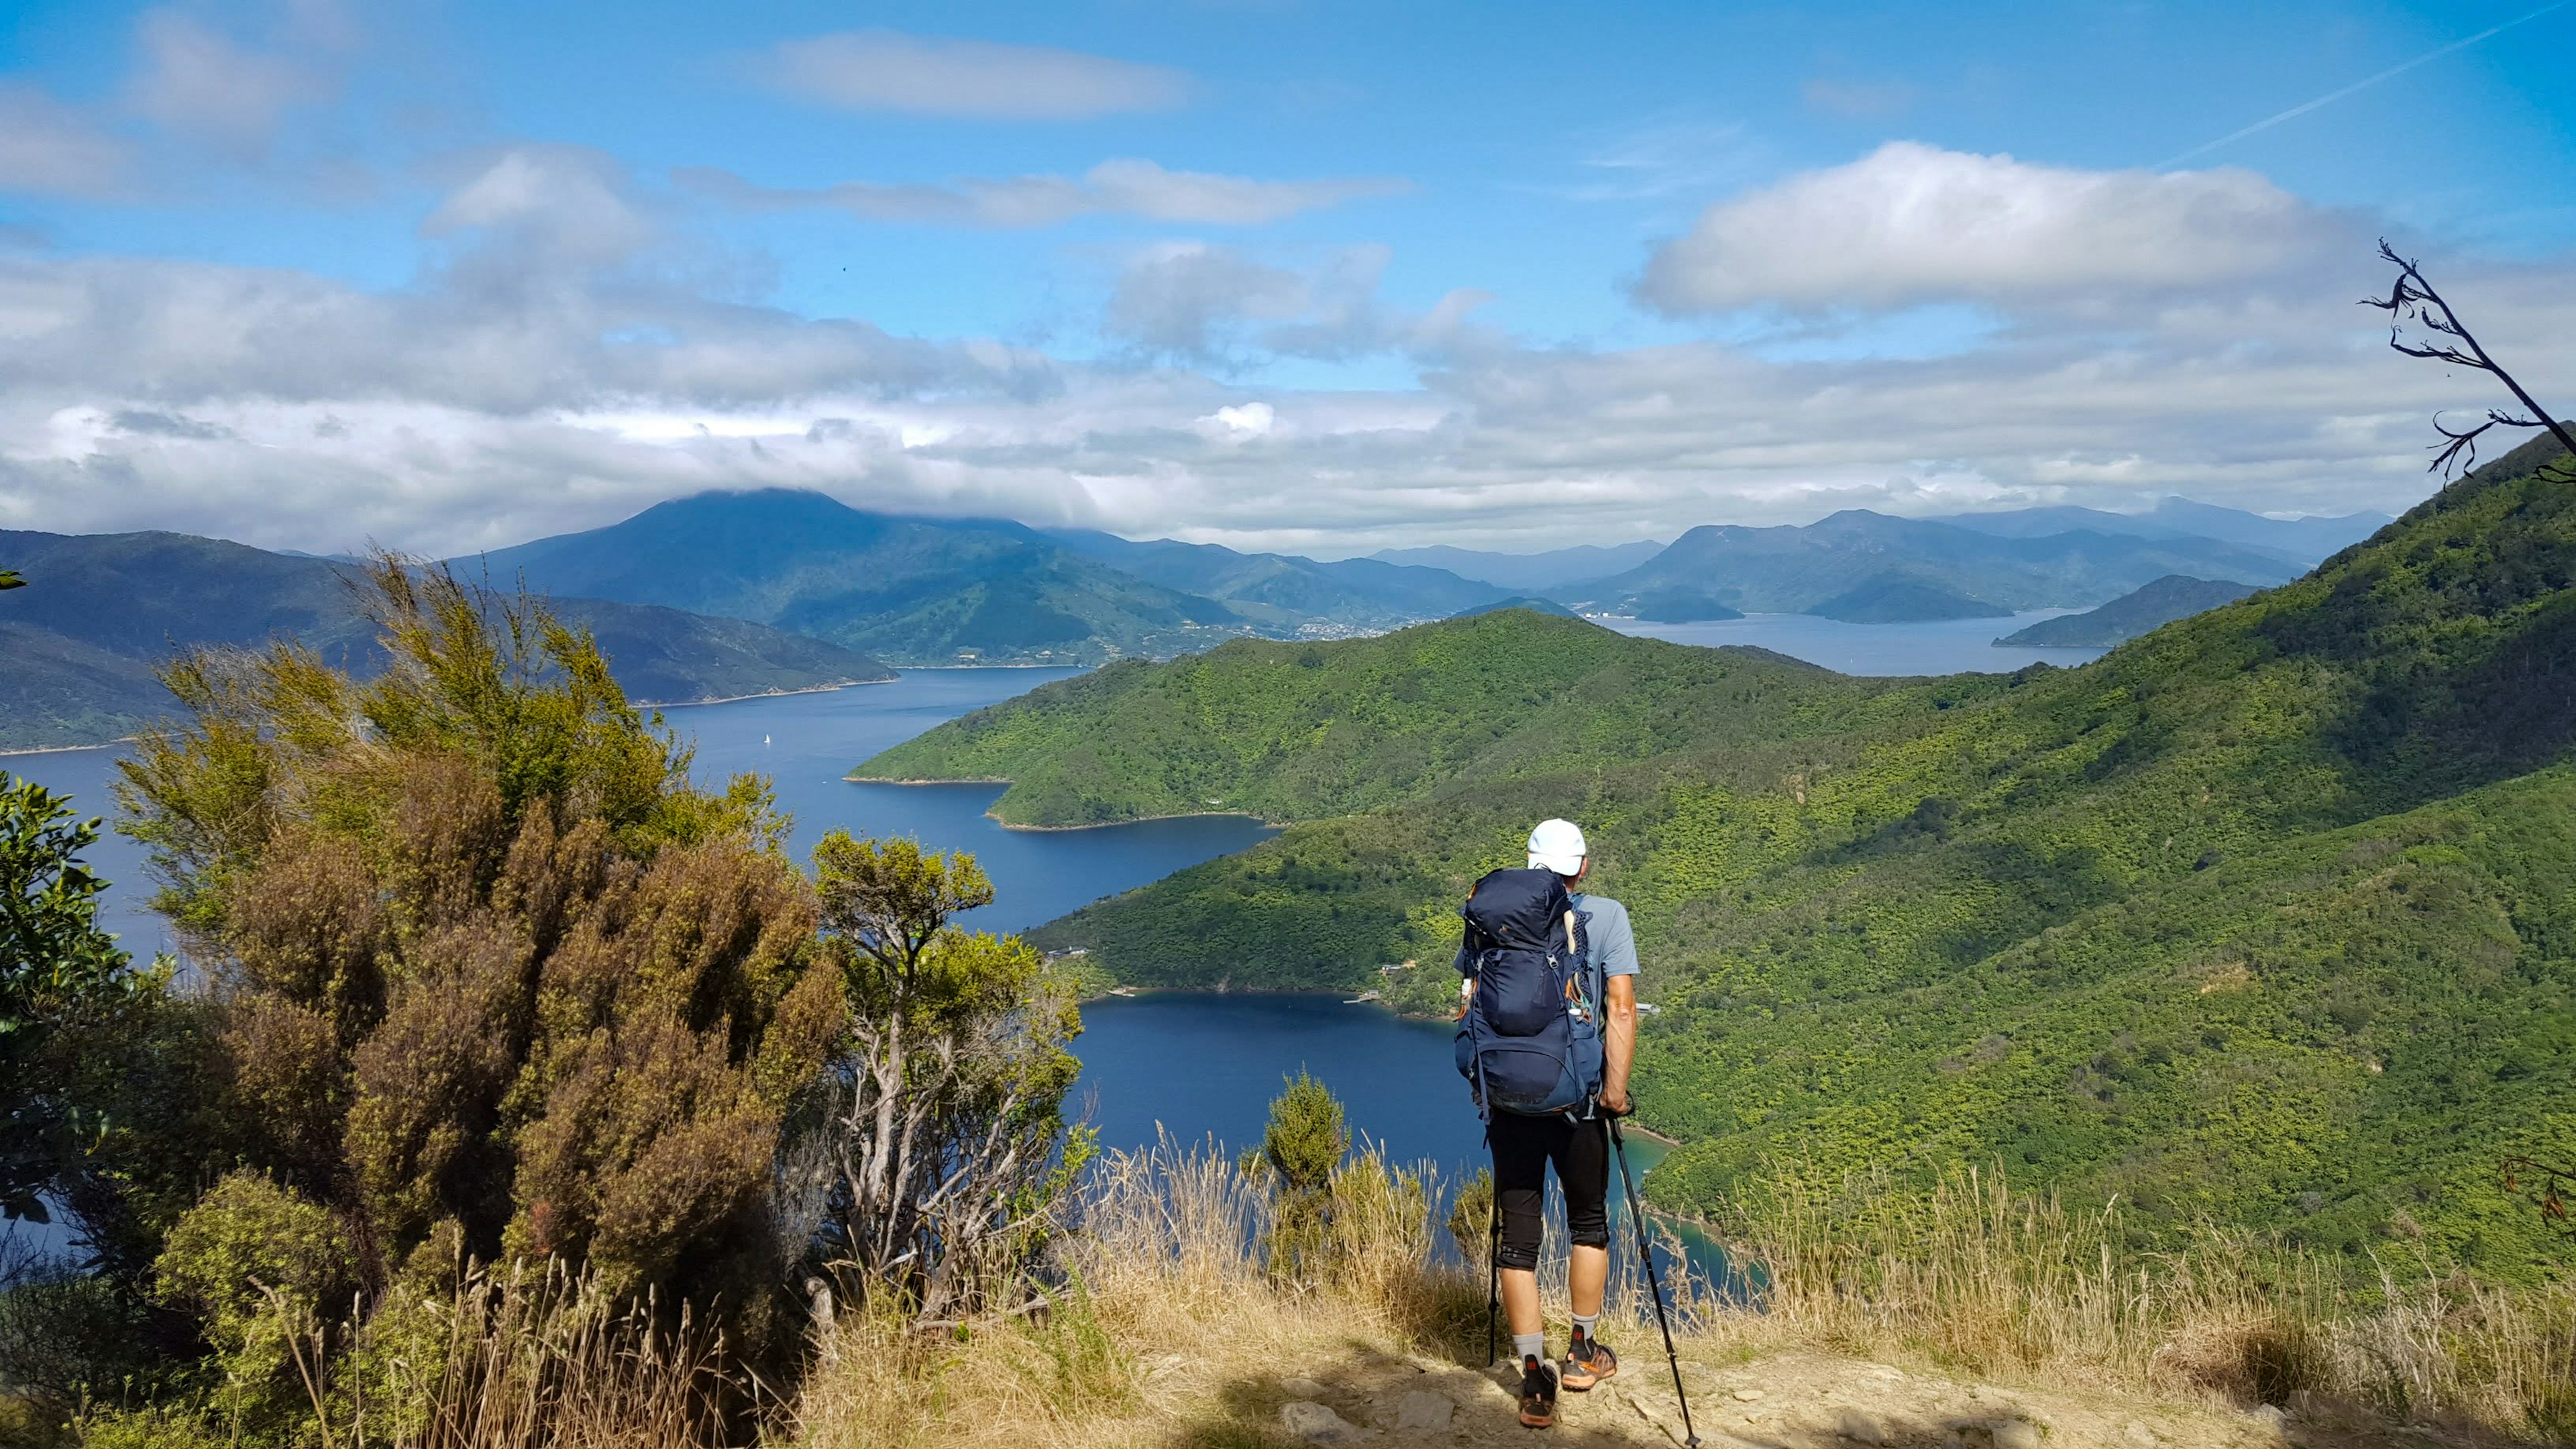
x=59, y=973
x=1301, y=1150
x=951, y=1147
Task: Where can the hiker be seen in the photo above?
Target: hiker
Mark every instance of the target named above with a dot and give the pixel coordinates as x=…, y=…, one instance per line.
x=1548, y=1013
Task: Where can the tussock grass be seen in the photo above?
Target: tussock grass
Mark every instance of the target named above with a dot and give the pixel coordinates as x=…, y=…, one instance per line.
x=1170, y=1311
x=1161, y=1321
x=528, y=1359
x=1977, y=1276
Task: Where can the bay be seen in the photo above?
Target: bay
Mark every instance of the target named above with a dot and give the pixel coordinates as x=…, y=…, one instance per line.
x=806, y=743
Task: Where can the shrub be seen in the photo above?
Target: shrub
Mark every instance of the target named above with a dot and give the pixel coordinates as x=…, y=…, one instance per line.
x=486, y=977
x=1301, y=1151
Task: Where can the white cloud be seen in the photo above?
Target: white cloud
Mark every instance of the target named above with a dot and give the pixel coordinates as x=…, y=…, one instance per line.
x=546, y=293
x=1124, y=187
x=46, y=146
x=1238, y=424
x=558, y=363
x=203, y=87
x=1192, y=302
x=1185, y=300
x=570, y=203
x=1910, y=223
x=883, y=70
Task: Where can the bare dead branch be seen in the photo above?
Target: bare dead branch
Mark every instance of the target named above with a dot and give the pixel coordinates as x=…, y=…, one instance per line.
x=2412, y=300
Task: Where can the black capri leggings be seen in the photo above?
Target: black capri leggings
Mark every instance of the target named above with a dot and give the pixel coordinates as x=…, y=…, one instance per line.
x=1523, y=1148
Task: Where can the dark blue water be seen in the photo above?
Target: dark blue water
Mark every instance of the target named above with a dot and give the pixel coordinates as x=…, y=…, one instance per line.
x=806, y=743
x=85, y=776
x=1196, y=1065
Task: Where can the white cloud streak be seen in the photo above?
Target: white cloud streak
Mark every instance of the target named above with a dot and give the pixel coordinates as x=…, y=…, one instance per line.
x=883, y=70
x=47, y=147
x=1213, y=306
x=1119, y=187
x=201, y=86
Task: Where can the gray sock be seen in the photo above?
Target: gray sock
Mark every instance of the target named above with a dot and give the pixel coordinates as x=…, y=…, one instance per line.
x=1583, y=1324
x=1526, y=1346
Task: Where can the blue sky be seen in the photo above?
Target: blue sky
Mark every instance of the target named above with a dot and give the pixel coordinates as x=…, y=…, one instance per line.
x=1275, y=274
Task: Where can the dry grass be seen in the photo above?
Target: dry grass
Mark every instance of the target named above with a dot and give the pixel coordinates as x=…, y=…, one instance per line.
x=1173, y=1320
x=1977, y=1276
x=530, y=1360
x=1160, y=1326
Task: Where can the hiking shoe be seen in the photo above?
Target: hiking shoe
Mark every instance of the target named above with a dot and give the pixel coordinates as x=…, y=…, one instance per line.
x=1538, y=1393
x=1587, y=1362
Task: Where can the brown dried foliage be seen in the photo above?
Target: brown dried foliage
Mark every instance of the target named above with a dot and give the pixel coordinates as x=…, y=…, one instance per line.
x=472, y=1018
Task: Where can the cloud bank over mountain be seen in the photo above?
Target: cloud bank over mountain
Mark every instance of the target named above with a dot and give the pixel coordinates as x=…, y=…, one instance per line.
x=558, y=335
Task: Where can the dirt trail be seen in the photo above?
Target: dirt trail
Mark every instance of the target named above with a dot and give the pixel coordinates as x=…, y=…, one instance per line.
x=1788, y=1401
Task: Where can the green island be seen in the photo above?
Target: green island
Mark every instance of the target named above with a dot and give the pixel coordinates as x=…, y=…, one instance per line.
x=2266, y=919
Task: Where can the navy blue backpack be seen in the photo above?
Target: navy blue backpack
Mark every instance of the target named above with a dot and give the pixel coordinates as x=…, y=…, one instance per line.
x=1530, y=1040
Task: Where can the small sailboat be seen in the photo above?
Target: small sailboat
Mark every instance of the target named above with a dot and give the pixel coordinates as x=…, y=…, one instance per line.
x=764, y=739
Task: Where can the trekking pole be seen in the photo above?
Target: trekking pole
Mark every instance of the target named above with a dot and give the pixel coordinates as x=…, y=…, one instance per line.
x=1654, y=1285
x=1493, y=1275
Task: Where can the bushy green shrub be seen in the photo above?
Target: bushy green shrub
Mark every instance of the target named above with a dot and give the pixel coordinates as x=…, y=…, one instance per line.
x=485, y=978
x=1302, y=1147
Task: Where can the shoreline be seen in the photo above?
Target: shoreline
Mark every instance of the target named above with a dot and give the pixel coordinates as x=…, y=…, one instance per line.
x=70, y=749
x=1114, y=824
x=1002, y=780
x=655, y=704
x=765, y=694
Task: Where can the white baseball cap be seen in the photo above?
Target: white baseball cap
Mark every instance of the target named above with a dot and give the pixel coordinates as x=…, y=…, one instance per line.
x=1557, y=845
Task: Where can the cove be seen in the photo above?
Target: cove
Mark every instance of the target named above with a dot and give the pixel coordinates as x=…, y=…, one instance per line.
x=1197, y=1066
x=805, y=743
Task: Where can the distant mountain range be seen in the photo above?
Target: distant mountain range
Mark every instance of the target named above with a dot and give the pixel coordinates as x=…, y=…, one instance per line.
x=1869, y=567
x=2130, y=615
x=1282, y=591
x=1526, y=571
x=2306, y=541
x=741, y=592
x=101, y=611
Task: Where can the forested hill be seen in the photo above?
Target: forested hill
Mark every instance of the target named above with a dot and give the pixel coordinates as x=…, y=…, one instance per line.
x=2267, y=917
x=1291, y=731
x=102, y=611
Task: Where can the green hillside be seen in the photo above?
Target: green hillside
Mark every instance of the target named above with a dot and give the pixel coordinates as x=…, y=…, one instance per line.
x=2269, y=916
x=1292, y=731
x=2130, y=615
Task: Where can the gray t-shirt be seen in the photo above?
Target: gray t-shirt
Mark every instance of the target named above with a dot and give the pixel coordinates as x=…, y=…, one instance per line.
x=1606, y=936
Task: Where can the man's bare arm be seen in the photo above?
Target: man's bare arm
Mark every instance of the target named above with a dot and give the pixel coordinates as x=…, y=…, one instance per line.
x=1618, y=1041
